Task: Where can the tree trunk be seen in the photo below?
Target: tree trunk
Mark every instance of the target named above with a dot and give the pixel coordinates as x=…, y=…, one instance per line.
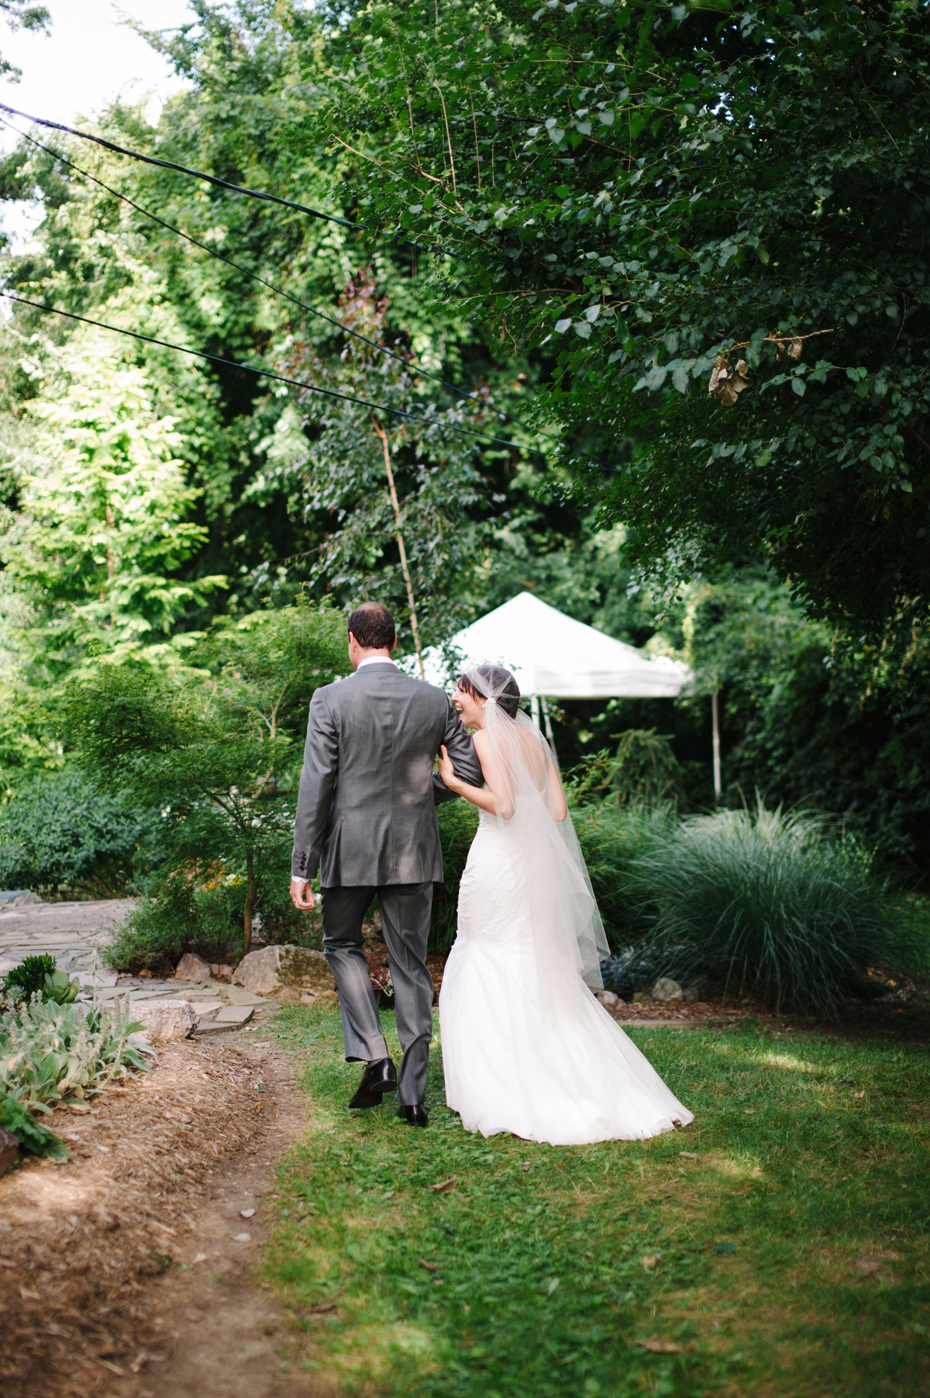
x=400, y=544
x=249, y=903
x=715, y=735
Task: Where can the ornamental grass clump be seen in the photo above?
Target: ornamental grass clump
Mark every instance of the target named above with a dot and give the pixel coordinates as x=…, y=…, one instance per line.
x=773, y=905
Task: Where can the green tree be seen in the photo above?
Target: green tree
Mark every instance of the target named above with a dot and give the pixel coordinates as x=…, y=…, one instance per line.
x=92, y=558
x=403, y=509
x=21, y=14
x=644, y=191
x=255, y=73
x=214, y=756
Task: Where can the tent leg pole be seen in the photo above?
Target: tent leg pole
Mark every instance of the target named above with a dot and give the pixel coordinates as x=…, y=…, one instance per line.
x=715, y=726
x=534, y=710
x=550, y=737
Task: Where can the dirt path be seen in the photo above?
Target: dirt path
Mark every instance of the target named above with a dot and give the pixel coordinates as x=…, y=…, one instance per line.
x=159, y=1174
x=217, y=1328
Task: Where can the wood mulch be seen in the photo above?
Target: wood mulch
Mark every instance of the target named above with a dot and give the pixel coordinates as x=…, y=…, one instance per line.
x=80, y=1240
x=903, y=1021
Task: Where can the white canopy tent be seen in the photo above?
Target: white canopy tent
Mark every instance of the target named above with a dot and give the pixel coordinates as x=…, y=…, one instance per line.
x=552, y=656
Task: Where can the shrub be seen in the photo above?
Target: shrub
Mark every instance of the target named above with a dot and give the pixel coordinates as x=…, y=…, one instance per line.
x=198, y=908
x=61, y=835
x=645, y=768
x=214, y=754
x=613, y=838
x=769, y=904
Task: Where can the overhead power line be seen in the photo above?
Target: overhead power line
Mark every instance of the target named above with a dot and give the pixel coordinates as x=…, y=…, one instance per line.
x=278, y=291
x=273, y=199
x=187, y=170
x=261, y=373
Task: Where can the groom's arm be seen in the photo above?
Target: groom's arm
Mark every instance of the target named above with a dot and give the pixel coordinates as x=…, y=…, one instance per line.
x=317, y=783
x=461, y=749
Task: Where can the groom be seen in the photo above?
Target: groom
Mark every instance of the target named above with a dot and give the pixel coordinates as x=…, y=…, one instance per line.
x=366, y=815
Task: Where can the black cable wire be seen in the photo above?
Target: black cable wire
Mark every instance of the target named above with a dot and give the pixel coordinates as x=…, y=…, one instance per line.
x=279, y=291
x=269, y=198
x=262, y=373
x=198, y=174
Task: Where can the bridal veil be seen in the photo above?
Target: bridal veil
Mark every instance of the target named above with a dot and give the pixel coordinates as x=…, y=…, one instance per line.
x=530, y=801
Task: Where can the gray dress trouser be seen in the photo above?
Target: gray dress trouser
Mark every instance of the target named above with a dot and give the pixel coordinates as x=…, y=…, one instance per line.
x=405, y=916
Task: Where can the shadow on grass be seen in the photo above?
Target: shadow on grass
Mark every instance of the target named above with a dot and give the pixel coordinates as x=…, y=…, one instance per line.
x=537, y=1269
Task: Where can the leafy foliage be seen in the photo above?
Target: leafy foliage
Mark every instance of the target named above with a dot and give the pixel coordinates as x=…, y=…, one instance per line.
x=51, y=1052
x=613, y=838
x=62, y=835
x=645, y=768
x=399, y=496
x=102, y=526
x=644, y=190
x=21, y=14
x=29, y=976
x=31, y=1134
x=60, y=987
x=767, y=904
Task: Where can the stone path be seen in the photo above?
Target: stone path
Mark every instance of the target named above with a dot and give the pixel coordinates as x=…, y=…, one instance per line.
x=78, y=935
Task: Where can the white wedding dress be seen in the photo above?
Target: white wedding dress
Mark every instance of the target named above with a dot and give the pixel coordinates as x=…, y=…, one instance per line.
x=526, y=1046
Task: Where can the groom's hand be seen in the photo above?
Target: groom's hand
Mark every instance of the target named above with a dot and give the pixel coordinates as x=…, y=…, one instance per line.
x=302, y=895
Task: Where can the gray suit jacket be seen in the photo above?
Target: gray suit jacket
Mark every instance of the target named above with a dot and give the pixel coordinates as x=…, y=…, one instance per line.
x=366, y=812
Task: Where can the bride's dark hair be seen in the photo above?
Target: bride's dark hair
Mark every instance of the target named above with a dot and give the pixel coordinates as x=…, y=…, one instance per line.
x=497, y=682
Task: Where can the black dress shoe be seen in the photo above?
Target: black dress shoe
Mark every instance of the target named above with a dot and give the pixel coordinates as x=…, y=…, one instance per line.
x=377, y=1079
x=417, y=1115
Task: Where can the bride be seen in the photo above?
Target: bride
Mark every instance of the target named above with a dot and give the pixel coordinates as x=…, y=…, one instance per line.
x=526, y=1046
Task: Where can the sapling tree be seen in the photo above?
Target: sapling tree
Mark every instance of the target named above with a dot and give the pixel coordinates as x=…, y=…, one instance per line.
x=401, y=504
x=214, y=753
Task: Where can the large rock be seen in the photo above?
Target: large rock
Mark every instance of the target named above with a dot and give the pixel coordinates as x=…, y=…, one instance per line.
x=667, y=989
x=192, y=968
x=164, y=1020
x=18, y=898
x=272, y=969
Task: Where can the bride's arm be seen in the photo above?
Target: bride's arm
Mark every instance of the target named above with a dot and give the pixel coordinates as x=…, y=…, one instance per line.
x=497, y=797
x=555, y=796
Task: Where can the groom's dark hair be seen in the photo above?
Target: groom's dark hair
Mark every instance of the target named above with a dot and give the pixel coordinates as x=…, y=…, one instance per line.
x=372, y=626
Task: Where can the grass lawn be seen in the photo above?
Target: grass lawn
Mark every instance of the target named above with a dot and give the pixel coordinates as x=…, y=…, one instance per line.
x=777, y=1247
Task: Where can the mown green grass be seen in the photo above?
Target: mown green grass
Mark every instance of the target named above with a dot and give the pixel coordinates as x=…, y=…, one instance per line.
x=540, y=1287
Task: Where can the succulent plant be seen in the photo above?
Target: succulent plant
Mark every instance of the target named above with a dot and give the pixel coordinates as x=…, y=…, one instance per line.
x=59, y=986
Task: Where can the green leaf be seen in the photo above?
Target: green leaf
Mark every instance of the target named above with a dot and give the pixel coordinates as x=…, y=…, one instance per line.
x=799, y=387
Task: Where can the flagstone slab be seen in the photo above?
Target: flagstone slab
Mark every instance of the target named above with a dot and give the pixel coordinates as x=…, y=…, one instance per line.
x=237, y=996
x=234, y=1014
